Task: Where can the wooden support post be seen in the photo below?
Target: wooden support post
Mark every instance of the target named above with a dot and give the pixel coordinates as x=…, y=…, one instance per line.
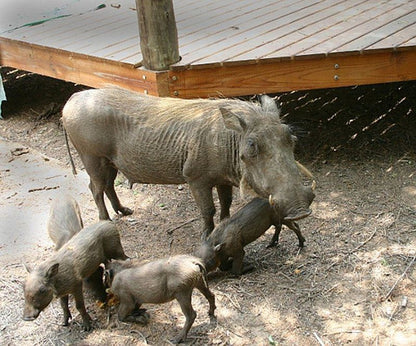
x=158, y=34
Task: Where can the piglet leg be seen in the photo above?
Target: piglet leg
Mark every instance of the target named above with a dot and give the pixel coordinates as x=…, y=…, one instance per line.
x=79, y=303
x=184, y=300
x=67, y=314
x=204, y=289
x=129, y=311
x=275, y=238
x=295, y=228
x=237, y=268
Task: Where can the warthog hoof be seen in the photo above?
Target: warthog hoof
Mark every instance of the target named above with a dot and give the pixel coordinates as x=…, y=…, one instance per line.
x=87, y=326
x=140, y=316
x=125, y=211
x=273, y=243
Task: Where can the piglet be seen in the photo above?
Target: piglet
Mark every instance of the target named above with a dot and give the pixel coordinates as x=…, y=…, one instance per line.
x=228, y=239
x=64, y=222
x=64, y=272
x=159, y=282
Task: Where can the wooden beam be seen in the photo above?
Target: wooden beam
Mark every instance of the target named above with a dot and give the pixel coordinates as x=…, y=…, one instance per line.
x=272, y=76
x=158, y=34
x=79, y=68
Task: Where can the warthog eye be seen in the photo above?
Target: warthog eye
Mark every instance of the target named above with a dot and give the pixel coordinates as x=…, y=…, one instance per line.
x=251, y=148
x=43, y=290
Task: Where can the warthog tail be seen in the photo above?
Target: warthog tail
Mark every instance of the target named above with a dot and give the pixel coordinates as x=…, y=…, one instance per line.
x=74, y=171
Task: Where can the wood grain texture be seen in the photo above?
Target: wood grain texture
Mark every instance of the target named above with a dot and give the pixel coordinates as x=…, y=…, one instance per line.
x=296, y=74
x=82, y=69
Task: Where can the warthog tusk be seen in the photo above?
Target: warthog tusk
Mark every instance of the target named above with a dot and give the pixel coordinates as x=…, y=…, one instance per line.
x=271, y=200
x=304, y=170
x=307, y=173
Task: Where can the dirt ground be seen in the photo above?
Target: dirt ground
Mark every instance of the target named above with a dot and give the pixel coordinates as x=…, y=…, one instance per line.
x=353, y=283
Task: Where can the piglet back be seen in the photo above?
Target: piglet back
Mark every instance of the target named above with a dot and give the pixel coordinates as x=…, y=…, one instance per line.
x=64, y=220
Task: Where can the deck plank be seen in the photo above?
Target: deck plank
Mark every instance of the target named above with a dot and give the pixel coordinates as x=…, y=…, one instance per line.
x=242, y=30
x=182, y=7
x=232, y=23
x=210, y=29
x=85, y=40
x=207, y=13
x=276, y=31
x=94, y=40
x=208, y=18
x=318, y=33
x=64, y=25
x=88, y=27
x=399, y=39
x=43, y=28
x=377, y=34
x=283, y=44
x=356, y=27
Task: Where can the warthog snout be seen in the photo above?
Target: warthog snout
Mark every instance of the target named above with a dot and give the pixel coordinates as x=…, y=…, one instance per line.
x=30, y=314
x=29, y=318
x=298, y=214
x=297, y=208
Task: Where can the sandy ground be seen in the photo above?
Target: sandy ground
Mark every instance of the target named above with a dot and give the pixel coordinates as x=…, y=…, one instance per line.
x=29, y=182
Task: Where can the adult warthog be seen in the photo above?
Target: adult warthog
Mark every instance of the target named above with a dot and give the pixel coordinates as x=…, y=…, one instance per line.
x=205, y=143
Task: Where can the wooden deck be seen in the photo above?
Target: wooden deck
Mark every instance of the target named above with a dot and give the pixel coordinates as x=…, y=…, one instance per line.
x=229, y=48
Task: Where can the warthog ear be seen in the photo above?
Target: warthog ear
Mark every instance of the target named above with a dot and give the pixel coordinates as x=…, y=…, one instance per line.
x=52, y=271
x=268, y=105
x=233, y=121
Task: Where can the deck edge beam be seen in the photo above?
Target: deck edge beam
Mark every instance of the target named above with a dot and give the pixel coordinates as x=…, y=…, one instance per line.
x=294, y=74
x=81, y=69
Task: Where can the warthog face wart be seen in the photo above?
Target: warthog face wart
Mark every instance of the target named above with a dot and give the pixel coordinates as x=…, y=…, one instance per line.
x=268, y=165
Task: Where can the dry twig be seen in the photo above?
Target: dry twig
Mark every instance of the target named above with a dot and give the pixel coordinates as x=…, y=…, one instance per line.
x=235, y=304
x=45, y=188
x=171, y=230
x=399, y=279
x=319, y=339
x=353, y=250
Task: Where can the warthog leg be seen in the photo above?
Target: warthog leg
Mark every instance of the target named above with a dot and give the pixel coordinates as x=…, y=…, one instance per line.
x=237, y=267
x=102, y=175
x=203, y=198
x=225, y=195
x=111, y=193
x=95, y=283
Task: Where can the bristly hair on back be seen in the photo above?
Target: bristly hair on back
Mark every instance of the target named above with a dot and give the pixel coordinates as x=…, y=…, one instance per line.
x=168, y=109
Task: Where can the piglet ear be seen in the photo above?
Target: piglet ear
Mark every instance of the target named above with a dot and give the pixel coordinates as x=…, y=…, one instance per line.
x=232, y=120
x=27, y=267
x=108, y=277
x=52, y=271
